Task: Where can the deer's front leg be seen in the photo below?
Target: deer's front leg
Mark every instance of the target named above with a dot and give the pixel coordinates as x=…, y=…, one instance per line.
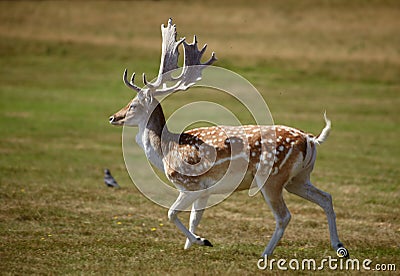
x=273, y=196
x=198, y=208
x=182, y=202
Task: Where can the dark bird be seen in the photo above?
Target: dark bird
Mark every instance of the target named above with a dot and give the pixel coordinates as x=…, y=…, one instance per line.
x=109, y=179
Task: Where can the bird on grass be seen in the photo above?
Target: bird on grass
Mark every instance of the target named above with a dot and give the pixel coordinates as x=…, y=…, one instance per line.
x=109, y=179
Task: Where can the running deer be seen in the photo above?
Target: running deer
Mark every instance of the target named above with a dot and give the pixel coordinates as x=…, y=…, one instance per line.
x=275, y=157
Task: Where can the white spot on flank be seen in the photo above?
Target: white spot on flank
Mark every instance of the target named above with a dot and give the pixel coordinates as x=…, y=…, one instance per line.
x=281, y=148
x=288, y=140
x=253, y=154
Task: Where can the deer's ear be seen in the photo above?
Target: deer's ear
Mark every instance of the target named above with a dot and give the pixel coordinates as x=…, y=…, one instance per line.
x=148, y=99
x=145, y=97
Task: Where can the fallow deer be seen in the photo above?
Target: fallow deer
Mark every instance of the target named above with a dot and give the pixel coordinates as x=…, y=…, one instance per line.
x=275, y=157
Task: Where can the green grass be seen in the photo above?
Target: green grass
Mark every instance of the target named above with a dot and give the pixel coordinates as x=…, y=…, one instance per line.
x=60, y=78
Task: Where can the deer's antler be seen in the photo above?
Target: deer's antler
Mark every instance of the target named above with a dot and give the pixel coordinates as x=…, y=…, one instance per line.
x=191, y=71
x=130, y=84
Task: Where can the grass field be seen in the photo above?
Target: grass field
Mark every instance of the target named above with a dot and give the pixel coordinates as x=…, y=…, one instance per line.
x=60, y=78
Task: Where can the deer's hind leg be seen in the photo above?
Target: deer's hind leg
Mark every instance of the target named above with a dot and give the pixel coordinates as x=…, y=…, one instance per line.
x=302, y=186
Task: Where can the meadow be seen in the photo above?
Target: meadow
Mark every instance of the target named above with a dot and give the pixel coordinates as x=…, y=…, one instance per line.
x=60, y=78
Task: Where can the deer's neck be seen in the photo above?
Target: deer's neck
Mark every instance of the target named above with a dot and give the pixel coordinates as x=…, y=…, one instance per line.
x=154, y=136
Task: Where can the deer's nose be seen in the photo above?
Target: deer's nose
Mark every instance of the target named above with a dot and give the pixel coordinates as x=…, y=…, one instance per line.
x=111, y=119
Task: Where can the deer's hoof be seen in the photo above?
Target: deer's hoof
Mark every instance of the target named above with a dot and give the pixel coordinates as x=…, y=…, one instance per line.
x=207, y=243
x=204, y=242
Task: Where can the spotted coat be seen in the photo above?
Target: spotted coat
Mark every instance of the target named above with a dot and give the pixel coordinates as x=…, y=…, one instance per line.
x=206, y=153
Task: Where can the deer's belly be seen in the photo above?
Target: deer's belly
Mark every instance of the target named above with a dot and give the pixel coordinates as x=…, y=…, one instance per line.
x=223, y=178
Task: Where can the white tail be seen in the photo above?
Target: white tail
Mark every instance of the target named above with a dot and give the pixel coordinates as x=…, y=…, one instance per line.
x=195, y=160
x=324, y=133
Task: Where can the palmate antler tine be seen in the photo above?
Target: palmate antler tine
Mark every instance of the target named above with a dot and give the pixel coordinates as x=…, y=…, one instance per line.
x=211, y=60
x=131, y=83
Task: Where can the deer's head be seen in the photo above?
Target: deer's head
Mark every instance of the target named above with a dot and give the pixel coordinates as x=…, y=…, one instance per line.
x=139, y=109
x=135, y=112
